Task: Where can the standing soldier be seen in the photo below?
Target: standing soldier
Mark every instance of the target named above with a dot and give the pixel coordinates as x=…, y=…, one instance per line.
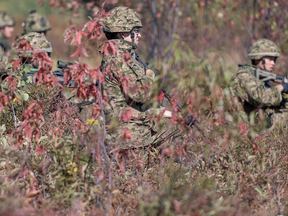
x=7, y=24
x=127, y=88
x=253, y=94
x=36, y=22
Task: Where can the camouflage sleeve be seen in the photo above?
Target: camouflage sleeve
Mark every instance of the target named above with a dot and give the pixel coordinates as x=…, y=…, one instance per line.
x=133, y=81
x=256, y=93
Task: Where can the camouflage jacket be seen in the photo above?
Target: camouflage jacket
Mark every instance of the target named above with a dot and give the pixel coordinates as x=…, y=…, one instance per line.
x=4, y=46
x=126, y=83
x=251, y=92
x=25, y=71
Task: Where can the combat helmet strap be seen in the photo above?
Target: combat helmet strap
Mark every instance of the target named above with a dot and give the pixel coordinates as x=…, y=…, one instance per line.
x=263, y=62
x=133, y=35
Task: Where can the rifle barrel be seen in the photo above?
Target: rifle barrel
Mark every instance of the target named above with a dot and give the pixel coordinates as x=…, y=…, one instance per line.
x=61, y=64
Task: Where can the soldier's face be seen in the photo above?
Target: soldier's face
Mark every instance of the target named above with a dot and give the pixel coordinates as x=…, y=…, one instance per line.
x=7, y=31
x=127, y=36
x=269, y=63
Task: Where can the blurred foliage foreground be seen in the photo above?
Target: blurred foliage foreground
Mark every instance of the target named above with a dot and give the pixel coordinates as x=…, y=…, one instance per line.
x=59, y=166
x=54, y=162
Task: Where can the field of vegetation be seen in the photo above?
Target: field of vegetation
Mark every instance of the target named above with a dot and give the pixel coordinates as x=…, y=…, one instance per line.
x=54, y=160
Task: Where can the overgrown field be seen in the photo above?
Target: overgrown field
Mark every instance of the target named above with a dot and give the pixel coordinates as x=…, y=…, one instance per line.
x=54, y=162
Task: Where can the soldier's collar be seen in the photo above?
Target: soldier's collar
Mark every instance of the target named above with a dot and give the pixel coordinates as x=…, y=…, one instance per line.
x=133, y=45
x=123, y=44
x=249, y=65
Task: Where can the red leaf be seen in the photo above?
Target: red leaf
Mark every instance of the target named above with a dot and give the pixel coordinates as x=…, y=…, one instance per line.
x=191, y=108
x=111, y=47
x=84, y=34
x=243, y=128
x=121, y=166
x=77, y=52
x=125, y=82
x=161, y=96
x=104, y=49
x=90, y=26
x=84, y=52
x=127, y=135
x=16, y=64
x=11, y=82
x=39, y=150
x=79, y=37
x=127, y=56
x=126, y=115
x=58, y=113
x=255, y=146
x=28, y=132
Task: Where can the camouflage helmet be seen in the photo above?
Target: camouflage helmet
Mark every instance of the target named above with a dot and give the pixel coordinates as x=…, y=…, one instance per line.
x=261, y=48
x=6, y=20
x=123, y=19
x=35, y=23
x=36, y=40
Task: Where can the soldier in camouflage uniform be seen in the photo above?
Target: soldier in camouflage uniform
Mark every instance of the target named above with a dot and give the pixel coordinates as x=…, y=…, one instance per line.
x=127, y=88
x=39, y=42
x=36, y=22
x=7, y=24
x=253, y=94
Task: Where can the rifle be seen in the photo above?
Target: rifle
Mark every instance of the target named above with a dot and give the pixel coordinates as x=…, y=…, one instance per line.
x=64, y=66
x=60, y=73
x=179, y=107
x=264, y=75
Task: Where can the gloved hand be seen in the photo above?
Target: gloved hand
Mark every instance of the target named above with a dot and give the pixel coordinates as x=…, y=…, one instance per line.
x=150, y=72
x=150, y=66
x=190, y=120
x=285, y=86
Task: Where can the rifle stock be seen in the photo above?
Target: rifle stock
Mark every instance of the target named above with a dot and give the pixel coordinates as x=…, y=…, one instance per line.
x=264, y=75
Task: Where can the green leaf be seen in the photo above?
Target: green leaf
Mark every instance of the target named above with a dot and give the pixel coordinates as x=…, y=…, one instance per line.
x=25, y=96
x=42, y=138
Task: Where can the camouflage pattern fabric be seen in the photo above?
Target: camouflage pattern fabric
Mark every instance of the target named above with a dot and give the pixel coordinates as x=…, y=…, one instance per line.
x=4, y=46
x=3, y=72
x=261, y=48
x=6, y=20
x=36, y=23
x=25, y=69
x=122, y=19
x=251, y=93
x=130, y=97
x=36, y=40
x=278, y=119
